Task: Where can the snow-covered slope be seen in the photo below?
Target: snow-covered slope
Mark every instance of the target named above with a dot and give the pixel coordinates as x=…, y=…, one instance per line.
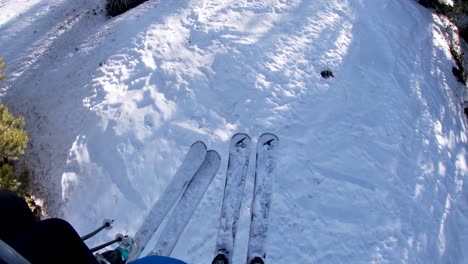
x=373, y=166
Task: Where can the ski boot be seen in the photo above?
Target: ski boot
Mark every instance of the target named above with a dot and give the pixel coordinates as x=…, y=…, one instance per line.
x=118, y=255
x=257, y=260
x=220, y=259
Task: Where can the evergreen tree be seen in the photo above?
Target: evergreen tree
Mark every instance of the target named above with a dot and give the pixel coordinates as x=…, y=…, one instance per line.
x=13, y=137
x=13, y=141
x=2, y=67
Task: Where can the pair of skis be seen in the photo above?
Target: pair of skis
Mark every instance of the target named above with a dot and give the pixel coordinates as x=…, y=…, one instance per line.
x=239, y=155
x=190, y=183
x=187, y=189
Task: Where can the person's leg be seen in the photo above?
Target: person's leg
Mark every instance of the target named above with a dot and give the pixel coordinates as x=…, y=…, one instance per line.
x=15, y=216
x=53, y=241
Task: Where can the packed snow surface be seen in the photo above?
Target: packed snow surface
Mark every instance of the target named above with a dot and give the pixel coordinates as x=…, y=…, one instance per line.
x=373, y=162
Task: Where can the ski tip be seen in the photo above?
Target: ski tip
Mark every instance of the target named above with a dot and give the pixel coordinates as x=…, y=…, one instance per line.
x=198, y=144
x=268, y=135
x=268, y=139
x=213, y=155
x=240, y=139
x=240, y=136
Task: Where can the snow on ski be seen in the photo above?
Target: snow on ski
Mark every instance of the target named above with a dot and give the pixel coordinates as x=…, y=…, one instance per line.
x=263, y=187
x=239, y=153
x=187, y=204
x=192, y=162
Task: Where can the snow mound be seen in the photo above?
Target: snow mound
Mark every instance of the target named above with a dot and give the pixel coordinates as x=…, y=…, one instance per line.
x=373, y=161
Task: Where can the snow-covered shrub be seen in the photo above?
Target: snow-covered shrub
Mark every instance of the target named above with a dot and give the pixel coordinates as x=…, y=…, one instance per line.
x=438, y=5
x=460, y=16
x=457, y=13
x=117, y=7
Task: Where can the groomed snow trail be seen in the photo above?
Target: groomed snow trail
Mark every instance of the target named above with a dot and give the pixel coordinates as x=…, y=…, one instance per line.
x=373, y=165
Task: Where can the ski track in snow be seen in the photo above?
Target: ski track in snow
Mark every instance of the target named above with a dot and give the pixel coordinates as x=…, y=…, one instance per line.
x=373, y=161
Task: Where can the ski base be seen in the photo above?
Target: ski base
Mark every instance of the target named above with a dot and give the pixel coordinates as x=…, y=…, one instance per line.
x=267, y=146
x=238, y=163
x=171, y=194
x=186, y=205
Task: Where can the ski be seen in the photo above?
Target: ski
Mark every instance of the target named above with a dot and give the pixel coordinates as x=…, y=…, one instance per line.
x=238, y=163
x=263, y=187
x=192, y=162
x=186, y=206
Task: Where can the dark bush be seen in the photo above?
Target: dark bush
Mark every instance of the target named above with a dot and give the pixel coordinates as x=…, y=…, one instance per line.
x=459, y=75
x=117, y=7
x=439, y=7
x=464, y=33
x=459, y=71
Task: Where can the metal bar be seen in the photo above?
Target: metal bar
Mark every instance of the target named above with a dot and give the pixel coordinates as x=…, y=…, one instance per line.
x=10, y=256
